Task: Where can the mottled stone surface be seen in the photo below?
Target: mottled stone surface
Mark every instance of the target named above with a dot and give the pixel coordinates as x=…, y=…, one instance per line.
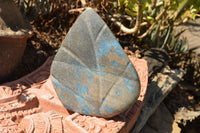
x=91, y=73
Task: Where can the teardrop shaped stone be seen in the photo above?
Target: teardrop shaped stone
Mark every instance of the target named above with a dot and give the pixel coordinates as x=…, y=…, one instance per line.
x=91, y=73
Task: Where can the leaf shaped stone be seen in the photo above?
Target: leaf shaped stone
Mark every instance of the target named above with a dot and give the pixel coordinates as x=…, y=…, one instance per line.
x=91, y=73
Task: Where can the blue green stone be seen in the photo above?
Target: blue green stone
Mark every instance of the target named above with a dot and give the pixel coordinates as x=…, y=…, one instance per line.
x=91, y=73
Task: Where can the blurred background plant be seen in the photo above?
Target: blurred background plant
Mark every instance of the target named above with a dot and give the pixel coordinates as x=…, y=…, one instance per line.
x=152, y=22
x=136, y=23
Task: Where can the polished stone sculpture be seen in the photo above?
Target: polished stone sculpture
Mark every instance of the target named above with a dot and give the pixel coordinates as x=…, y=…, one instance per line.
x=91, y=73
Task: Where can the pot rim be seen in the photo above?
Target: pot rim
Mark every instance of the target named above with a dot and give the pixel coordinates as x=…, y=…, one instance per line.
x=17, y=34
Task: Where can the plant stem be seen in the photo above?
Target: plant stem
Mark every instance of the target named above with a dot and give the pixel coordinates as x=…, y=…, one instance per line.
x=153, y=4
x=137, y=25
x=156, y=20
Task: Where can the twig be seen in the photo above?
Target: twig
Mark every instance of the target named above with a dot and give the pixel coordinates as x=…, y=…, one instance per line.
x=77, y=3
x=137, y=25
x=27, y=4
x=185, y=20
x=118, y=3
x=156, y=20
x=83, y=3
x=177, y=14
x=68, y=4
x=166, y=18
x=159, y=4
x=197, y=15
x=102, y=4
x=143, y=24
x=153, y=4
x=163, y=27
x=128, y=18
x=79, y=10
x=123, y=16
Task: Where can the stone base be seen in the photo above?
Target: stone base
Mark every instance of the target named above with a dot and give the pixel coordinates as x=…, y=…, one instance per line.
x=30, y=104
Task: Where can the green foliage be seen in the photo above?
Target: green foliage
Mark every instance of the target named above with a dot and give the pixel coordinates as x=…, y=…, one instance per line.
x=158, y=17
x=161, y=16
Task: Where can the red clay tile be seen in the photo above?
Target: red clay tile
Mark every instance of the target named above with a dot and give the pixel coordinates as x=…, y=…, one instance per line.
x=30, y=104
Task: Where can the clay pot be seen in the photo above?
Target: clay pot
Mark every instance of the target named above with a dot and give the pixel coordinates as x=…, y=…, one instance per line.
x=14, y=32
